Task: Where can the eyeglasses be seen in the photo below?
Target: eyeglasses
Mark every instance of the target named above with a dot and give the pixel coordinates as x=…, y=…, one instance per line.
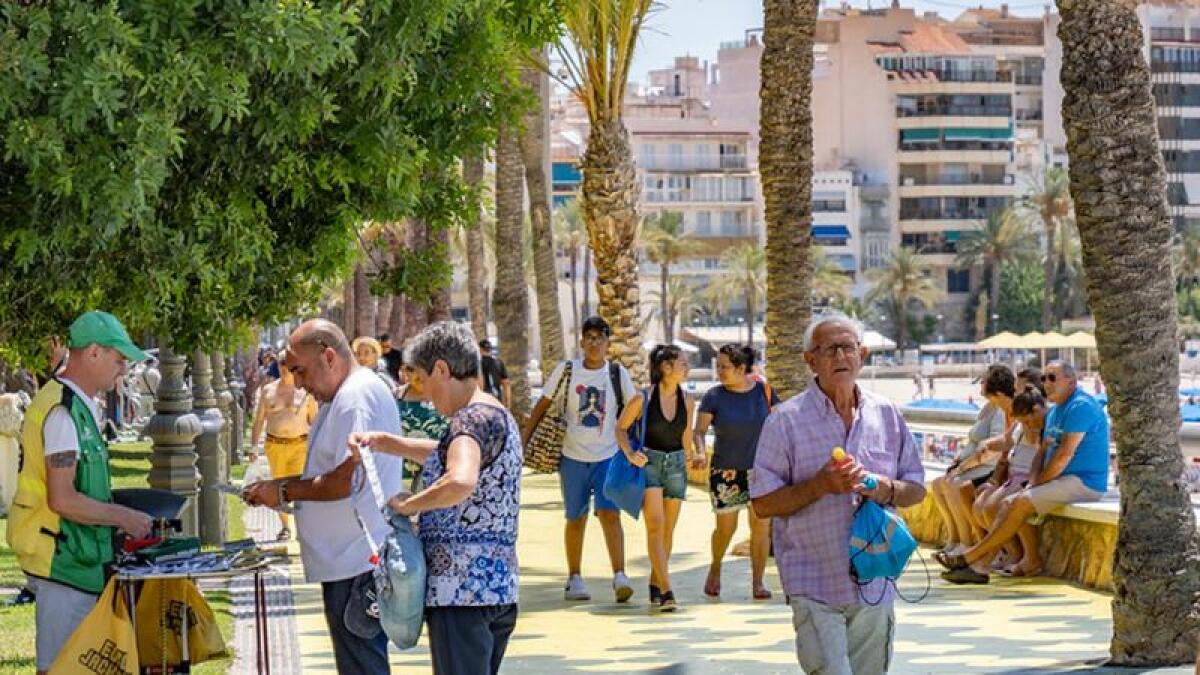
x=830, y=352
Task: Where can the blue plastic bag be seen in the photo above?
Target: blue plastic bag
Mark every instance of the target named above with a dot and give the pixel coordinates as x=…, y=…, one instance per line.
x=880, y=543
x=625, y=484
x=400, y=584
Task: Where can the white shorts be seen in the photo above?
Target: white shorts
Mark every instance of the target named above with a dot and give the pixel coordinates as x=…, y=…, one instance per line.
x=58, y=612
x=1062, y=490
x=852, y=640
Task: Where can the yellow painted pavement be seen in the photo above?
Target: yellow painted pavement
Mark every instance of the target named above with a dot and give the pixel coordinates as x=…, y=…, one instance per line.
x=1011, y=626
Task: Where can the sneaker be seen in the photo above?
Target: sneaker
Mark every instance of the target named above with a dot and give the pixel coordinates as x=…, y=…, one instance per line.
x=284, y=535
x=25, y=597
x=621, y=587
x=576, y=589
x=668, y=604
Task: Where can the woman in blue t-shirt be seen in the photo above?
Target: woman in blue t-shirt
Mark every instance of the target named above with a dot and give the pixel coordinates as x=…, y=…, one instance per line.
x=736, y=410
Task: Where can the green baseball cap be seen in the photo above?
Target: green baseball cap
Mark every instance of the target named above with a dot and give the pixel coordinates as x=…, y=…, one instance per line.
x=102, y=328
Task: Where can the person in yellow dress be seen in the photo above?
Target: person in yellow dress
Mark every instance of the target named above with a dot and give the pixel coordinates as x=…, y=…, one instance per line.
x=285, y=412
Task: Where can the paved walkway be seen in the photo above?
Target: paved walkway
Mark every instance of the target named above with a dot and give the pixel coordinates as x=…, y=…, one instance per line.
x=1012, y=626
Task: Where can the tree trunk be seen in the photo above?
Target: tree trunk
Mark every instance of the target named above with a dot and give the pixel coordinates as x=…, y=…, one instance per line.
x=1118, y=182
x=1048, y=271
x=609, y=204
x=785, y=162
x=476, y=257
x=364, y=302
x=994, y=299
x=750, y=307
x=587, y=281
x=533, y=155
x=574, y=294
x=511, y=296
x=383, y=305
x=664, y=303
x=902, y=325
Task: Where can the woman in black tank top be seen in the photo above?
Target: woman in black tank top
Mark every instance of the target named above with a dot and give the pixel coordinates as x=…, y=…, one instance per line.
x=666, y=448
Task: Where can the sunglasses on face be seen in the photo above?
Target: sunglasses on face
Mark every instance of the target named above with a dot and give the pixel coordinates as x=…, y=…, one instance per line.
x=1049, y=377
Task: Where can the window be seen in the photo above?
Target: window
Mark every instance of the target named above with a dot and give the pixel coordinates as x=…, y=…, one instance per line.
x=958, y=281
x=733, y=223
x=704, y=223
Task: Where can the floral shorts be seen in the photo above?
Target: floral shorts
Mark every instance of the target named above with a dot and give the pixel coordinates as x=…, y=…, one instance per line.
x=729, y=489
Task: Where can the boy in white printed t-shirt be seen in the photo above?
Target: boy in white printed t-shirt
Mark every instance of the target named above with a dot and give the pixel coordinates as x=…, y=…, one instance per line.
x=596, y=392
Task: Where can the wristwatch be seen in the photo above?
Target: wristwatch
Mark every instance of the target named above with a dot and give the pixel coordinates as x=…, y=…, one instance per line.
x=283, y=493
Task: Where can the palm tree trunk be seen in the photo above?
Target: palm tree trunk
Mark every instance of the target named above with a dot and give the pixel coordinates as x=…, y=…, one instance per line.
x=364, y=302
x=609, y=206
x=994, y=298
x=1118, y=182
x=510, y=301
x=750, y=307
x=785, y=162
x=476, y=258
x=587, y=281
x=1048, y=271
x=664, y=274
x=902, y=325
x=574, y=255
x=533, y=149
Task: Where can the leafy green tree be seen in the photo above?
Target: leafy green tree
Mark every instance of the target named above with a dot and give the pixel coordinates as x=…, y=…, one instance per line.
x=1020, y=304
x=189, y=166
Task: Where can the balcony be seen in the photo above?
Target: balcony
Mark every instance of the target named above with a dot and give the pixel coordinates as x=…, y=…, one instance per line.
x=952, y=75
x=1006, y=179
x=1175, y=67
x=955, y=111
x=943, y=214
x=686, y=196
x=1029, y=115
x=692, y=162
x=1029, y=80
x=1173, y=35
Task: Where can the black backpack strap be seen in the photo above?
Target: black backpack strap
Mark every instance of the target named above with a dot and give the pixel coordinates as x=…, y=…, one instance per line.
x=614, y=374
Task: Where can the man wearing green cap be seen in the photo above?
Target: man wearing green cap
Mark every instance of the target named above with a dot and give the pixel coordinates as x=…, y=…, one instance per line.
x=62, y=518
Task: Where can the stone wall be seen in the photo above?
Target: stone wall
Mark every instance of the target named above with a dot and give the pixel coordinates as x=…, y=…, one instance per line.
x=1072, y=548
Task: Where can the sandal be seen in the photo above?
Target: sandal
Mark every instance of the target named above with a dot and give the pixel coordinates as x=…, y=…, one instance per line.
x=951, y=561
x=762, y=593
x=712, y=586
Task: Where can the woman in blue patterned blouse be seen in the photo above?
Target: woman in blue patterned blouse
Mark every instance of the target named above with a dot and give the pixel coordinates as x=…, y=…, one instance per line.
x=469, y=509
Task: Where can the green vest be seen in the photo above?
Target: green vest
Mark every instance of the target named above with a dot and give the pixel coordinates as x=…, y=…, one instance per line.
x=85, y=551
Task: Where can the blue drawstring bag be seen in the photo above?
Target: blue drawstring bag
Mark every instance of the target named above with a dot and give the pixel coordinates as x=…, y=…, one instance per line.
x=400, y=584
x=625, y=484
x=880, y=543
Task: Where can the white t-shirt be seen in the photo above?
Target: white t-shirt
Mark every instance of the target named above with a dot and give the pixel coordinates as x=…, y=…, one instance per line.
x=591, y=410
x=58, y=430
x=332, y=545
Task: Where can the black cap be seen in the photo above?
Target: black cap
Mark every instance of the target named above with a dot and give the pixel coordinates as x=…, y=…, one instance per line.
x=596, y=323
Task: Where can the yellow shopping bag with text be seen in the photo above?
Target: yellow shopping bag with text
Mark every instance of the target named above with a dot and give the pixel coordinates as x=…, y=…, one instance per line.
x=104, y=644
x=160, y=612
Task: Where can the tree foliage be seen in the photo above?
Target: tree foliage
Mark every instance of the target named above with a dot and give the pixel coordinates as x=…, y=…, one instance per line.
x=1020, y=303
x=192, y=164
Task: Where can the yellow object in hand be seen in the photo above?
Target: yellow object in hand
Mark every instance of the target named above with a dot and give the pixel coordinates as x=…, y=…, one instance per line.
x=839, y=454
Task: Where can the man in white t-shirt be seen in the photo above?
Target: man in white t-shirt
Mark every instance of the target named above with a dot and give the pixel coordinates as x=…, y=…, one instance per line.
x=333, y=546
x=595, y=393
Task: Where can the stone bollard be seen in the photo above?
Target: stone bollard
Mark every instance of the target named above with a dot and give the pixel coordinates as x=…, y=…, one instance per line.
x=237, y=387
x=225, y=405
x=11, y=416
x=174, y=428
x=211, y=456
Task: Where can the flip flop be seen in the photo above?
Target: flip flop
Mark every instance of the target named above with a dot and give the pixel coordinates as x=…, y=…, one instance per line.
x=762, y=593
x=965, y=575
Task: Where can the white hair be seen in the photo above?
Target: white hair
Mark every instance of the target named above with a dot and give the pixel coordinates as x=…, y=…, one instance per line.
x=828, y=318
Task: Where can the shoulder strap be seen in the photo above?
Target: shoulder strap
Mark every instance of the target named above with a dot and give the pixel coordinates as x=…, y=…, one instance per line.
x=614, y=374
x=767, y=393
x=564, y=385
x=645, y=413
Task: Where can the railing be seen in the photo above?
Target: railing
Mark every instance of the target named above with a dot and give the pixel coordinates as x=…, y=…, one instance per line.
x=824, y=206
x=1175, y=67
x=963, y=75
x=1178, y=101
x=1169, y=34
x=1029, y=80
x=939, y=248
x=1029, y=115
x=692, y=162
x=956, y=111
x=1006, y=179
x=989, y=146
x=943, y=214
x=685, y=195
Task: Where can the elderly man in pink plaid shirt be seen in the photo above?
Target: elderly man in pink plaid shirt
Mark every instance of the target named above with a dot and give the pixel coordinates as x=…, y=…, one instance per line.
x=841, y=628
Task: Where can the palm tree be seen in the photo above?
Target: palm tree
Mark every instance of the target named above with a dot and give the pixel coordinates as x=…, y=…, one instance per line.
x=1119, y=183
x=571, y=237
x=679, y=302
x=510, y=301
x=830, y=284
x=1004, y=238
x=1070, y=295
x=533, y=150
x=786, y=166
x=1046, y=203
x=665, y=244
x=901, y=282
x=473, y=245
x=745, y=279
x=597, y=51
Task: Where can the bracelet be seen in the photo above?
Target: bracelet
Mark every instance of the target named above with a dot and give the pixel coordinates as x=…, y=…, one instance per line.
x=283, y=492
x=891, y=500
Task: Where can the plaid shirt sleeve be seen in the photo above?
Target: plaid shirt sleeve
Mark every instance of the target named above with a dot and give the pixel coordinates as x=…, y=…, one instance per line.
x=772, y=460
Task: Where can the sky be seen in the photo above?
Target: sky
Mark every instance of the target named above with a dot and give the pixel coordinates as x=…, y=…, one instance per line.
x=698, y=27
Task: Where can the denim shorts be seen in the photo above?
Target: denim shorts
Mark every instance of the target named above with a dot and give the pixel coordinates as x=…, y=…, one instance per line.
x=667, y=470
x=582, y=483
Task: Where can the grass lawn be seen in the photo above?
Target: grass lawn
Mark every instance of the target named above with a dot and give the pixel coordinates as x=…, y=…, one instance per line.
x=130, y=463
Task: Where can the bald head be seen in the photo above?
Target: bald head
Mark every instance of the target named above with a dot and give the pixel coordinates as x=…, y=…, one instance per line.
x=321, y=334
